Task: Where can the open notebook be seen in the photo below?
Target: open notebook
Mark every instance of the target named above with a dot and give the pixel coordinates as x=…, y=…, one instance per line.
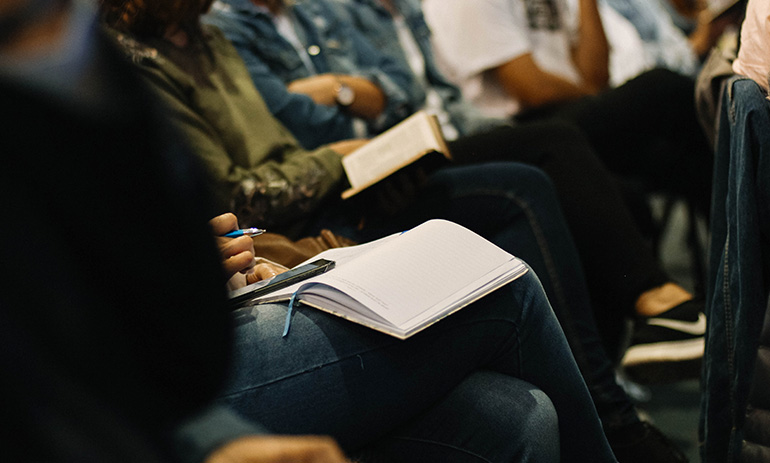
x=404, y=283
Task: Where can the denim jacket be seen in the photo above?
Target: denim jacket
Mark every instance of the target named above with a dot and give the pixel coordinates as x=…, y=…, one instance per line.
x=336, y=48
x=374, y=21
x=739, y=272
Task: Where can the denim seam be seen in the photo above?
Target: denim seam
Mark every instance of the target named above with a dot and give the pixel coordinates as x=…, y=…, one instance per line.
x=729, y=336
x=542, y=242
x=359, y=353
x=536, y=229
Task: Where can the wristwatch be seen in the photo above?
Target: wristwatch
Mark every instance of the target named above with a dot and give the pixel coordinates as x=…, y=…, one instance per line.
x=344, y=94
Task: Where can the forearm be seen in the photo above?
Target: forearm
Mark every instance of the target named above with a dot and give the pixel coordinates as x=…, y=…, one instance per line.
x=591, y=52
x=532, y=87
x=369, y=99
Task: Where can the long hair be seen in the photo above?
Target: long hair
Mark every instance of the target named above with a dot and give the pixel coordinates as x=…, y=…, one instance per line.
x=151, y=18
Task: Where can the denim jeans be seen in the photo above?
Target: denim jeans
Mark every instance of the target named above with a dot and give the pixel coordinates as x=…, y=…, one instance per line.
x=485, y=384
x=738, y=266
x=515, y=206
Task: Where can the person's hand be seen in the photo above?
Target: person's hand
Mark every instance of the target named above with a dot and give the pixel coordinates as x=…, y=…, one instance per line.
x=264, y=270
x=279, y=449
x=237, y=253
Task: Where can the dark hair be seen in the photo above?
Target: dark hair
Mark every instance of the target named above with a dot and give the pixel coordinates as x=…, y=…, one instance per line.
x=151, y=18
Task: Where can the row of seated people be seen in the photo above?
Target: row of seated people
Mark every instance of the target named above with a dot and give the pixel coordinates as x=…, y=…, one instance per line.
x=301, y=56
x=275, y=154
x=263, y=174
x=122, y=360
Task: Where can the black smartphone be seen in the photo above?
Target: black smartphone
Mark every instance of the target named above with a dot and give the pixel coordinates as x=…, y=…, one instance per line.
x=280, y=281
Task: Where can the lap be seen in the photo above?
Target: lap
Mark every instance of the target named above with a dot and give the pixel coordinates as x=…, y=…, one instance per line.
x=329, y=374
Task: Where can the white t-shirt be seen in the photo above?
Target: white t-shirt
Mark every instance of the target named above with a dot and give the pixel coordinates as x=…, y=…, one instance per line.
x=753, y=58
x=471, y=37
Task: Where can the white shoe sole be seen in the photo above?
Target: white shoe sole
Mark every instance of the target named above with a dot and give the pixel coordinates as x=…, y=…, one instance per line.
x=661, y=352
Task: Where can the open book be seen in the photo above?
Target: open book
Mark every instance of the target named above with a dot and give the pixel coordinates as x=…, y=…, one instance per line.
x=404, y=283
x=397, y=147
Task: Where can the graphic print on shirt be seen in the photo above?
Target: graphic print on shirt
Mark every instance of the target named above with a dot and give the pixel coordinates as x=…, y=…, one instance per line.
x=543, y=15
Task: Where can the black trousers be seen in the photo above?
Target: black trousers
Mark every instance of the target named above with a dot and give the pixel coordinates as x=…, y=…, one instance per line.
x=645, y=129
x=618, y=262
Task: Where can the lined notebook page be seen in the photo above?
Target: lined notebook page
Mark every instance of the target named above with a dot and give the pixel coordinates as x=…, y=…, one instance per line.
x=417, y=269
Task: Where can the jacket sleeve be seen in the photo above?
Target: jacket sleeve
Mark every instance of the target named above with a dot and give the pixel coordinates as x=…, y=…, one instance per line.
x=287, y=184
x=311, y=123
x=395, y=80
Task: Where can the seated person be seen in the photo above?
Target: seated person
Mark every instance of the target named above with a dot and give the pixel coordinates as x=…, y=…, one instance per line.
x=133, y=338
x=631, y=282
x=621, y=270
x=602, y=234
x=323, y=352
x=511, y=204
x=536, y=63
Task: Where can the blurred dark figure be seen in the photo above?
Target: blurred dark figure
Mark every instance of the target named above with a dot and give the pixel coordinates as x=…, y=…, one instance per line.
x=95, y=367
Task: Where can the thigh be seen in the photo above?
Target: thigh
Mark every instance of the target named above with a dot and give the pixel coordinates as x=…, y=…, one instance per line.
x=646, y=128
x=487, y=417
x=330, y=376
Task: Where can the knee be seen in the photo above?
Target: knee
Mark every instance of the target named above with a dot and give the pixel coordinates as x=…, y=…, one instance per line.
x=518, y=419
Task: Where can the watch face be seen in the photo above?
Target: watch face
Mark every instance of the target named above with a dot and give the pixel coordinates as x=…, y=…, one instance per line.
x=345, y=95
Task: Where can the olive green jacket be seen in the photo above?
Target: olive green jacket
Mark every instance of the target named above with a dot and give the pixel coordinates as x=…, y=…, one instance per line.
x=260, y=170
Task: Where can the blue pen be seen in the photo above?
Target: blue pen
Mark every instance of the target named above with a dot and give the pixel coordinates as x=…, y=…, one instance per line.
x=244, y=232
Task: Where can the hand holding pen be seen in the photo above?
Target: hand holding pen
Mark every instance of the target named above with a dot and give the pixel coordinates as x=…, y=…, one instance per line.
x=235, y=245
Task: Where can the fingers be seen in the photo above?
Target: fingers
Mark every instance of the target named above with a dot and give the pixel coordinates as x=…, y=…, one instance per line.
x=224, y=223
x=263, y=271
x=237, y=254
x=280, y=449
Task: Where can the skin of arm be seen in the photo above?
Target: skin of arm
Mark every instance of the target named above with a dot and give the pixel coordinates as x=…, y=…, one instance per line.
x=533, y=87
x=523, y=79
x=591, y=53
x=279, y=449
x=368, y=103
x=313, y=124
x=318, y=120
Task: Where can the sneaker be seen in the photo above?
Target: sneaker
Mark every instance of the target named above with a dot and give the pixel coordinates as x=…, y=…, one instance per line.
x=643, y=443
x=667, y=347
